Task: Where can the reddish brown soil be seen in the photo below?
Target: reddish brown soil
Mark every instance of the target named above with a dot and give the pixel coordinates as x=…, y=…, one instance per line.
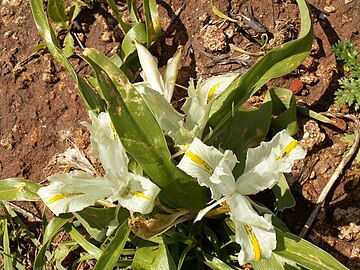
x=40, y=109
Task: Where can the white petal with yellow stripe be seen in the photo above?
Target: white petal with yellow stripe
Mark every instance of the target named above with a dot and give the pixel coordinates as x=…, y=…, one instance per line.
x=202, y=161
x=265, y=163
x=198, y=105
x=71, y=192
x=253, y=232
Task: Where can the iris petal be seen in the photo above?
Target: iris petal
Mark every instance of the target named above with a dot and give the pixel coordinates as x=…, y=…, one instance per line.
x=212, y=168
x=265, y=163
x=110, y=151
x=253, y=232
x=71, y=192
x=139, y=195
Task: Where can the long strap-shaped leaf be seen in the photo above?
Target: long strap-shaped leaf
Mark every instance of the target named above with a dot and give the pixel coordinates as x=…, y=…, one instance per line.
x=275, y=63
x=92, y=100
x=124, y=27
x=111, y=254
x=153, y=257
x=302, y=252
x=8, y=261
x=12, y=189
x=91, y=249
x=142, y=136
x=52, y=229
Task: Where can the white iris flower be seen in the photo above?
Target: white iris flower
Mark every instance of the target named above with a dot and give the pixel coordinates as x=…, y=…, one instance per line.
x=157, y=90
x=264, y=164
x=71, y=192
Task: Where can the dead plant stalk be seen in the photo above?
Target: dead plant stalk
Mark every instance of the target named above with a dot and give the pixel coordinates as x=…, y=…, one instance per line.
x=336, y=174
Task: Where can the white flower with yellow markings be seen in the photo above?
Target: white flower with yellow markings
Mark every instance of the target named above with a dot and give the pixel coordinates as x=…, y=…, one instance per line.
x=71, y=192
x=264, y=164
x=157, y=90
x=198, y=105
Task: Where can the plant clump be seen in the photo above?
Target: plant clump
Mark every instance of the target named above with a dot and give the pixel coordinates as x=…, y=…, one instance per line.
x=349, y=92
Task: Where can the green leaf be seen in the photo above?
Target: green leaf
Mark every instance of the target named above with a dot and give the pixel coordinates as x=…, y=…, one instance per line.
x=178, y=237
x=56, y=11
x=137, y=32
x=246, y=128
x=124, y=27
x=211, y=236
x=275, y=63
x=152, y=21
x=18, y=189
x=155, y=19
x=302, y=252
x=184, y=254
x=305, y=111
x=349, y=139
x=213, y=262
x=148, y=24
x=93, y=251
x=284, y=111
x=63, y=250
x=283, y=196
x=52, y=229
x=96, y=220
x=275, y=262
x=153, y=257
x=92, y=99
x=74, y=11
x=69, y=45
x=111, y=254
x=132, y=9
x=142, y=136
x=8, y=261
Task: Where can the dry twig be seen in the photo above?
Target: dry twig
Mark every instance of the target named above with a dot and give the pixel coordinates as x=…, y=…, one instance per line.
x=336, y=174
x=23, y=211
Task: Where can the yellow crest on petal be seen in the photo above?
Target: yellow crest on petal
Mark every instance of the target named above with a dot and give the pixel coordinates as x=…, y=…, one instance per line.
x=291, y=146
x=62, y=196
x=212, y=92
x=254, y=242
x=199, y=161
x=141, y=195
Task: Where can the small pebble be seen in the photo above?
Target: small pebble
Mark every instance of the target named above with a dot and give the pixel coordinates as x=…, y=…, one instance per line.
x=296, y=86
x=106, y=36
x=214, y=39
x=330, y=9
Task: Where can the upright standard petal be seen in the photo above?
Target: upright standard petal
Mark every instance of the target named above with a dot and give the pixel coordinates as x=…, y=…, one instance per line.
x=198, y=105
x=149, y=65
x=253, y=232
x=71, y=192
x=105, y=144
x=170, y=74
x=223, y=179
